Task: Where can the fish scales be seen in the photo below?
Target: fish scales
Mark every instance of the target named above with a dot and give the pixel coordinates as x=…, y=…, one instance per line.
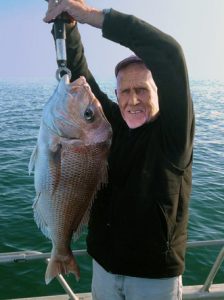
x=70, y=163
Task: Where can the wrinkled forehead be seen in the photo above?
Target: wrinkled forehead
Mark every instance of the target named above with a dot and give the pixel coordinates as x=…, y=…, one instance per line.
x=135, y=73
x=134, y=69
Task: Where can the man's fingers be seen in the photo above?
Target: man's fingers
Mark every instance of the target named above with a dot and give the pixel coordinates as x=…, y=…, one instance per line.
x=54, y=9
x=52, y=13
x=77, y=10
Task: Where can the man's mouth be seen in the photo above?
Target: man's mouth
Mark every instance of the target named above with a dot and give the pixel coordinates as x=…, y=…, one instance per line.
x=134, y=112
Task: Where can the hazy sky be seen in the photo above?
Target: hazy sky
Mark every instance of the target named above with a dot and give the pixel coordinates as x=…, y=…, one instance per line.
x=27, y=49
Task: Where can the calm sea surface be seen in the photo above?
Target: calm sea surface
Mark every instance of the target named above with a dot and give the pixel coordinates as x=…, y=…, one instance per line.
x=21, y=103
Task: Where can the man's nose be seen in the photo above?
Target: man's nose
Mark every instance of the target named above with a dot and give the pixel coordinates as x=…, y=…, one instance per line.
x=133, y=99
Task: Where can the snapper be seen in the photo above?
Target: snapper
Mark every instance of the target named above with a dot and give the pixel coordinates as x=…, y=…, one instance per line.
x=70, y=163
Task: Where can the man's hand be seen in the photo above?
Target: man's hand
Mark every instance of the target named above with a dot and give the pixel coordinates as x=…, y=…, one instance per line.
x=78, y=10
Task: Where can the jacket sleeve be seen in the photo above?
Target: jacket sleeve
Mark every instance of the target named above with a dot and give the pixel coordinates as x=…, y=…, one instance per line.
x=164, y=57
x=77, y=63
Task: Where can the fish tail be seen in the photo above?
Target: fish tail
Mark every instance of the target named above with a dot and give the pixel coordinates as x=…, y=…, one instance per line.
x=62, y=266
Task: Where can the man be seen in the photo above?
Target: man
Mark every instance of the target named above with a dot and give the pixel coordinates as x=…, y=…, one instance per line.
x=138, y=225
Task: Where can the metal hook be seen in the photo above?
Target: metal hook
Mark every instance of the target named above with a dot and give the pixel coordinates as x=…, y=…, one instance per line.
x=62, y=71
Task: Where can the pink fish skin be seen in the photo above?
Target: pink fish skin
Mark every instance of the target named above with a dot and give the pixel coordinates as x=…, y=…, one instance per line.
x=70, y=163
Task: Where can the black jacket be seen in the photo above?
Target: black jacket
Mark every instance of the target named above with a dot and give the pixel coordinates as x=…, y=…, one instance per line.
x=138, y=223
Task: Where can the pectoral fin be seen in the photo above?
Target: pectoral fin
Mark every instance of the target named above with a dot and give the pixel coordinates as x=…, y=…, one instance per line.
x=33, y=159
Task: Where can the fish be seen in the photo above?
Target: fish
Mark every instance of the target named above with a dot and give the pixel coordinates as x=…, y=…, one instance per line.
x=70, y=166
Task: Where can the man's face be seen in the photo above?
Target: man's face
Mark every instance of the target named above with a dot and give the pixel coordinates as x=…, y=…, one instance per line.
x=137, y=95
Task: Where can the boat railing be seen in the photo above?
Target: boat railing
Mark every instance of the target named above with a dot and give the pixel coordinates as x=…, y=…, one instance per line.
x=217, y=264
x=206, y=291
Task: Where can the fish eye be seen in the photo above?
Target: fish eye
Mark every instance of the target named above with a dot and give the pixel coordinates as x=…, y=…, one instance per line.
x=89, y=114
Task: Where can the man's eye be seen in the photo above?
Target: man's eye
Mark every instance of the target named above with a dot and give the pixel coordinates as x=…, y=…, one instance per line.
x=89, y=114
x=125, y=91
x=140, y=91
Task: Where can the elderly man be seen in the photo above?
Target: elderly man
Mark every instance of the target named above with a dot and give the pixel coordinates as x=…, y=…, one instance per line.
x=138, y=224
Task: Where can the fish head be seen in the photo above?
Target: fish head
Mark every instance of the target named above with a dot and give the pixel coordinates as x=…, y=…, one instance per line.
x=75, y=113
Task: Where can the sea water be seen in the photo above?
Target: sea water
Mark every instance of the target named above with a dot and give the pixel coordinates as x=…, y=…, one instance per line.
x=21, y=104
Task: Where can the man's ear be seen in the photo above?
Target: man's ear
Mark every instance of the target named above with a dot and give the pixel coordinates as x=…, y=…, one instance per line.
x=116, y=93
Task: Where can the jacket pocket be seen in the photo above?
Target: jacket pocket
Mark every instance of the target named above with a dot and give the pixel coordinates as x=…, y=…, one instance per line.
x=167, y=226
